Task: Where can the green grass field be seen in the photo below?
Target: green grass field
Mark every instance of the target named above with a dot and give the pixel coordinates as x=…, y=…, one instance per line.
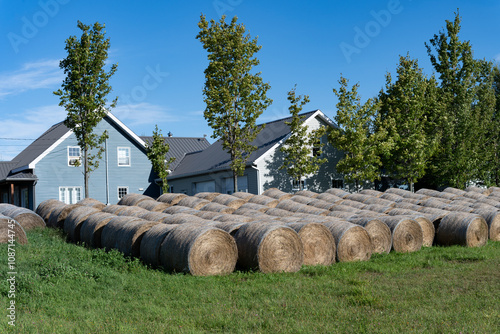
x=67, y=288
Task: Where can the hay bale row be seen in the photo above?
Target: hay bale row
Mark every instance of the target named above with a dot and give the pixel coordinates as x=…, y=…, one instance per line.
x=25, y=217
x=9, y=228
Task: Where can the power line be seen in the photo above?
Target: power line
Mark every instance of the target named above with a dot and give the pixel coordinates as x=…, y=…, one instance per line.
x=3, y=138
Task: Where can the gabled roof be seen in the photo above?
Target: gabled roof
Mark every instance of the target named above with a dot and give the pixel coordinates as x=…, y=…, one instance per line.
x=180, y=146
x=215, y=158
x=5, y=168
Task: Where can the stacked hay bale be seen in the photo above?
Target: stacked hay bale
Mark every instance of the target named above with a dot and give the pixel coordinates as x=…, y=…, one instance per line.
x=25, y=217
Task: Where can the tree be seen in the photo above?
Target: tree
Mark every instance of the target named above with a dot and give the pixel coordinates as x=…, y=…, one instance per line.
x=408, y=108
x=84, y=92
x=156, y=152
x=300, y=160
x=234, y=97
x=357, y=136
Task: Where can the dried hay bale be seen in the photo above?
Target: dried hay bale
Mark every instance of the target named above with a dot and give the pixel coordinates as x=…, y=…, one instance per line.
x=345, y=208
x=171, y=198
x=249, y=212
x=45, y=208
x=461, y=201
x=230, y=227
x=474, y=195
x=341, y=214
x=357, y=197
x=264, y=200
x=301, y=199
x=454, y=191
x=193, y=202
x=132, y=211
x=154, y=216
x=459, y=208
x=437, y=194
x=243, y=195
x=199, y=250
x=354, y=204
x=402, y=212
x=479, y=205
x=277, y=194
x=407, y=235
x=11, y=229
x=269, y=248
x=134, y=199
x=353, y=242
x=73, y=222
x=406, y=194
x=369, y=213
x=25, y=217
x=154, y=206
x=483, y=191
x=391, y=197
x=114, y=209
x=216, y=207
x=292, y=206
x=255, y=206
x=275, y=212
x=329, y=198
x=457, y=228
x=307, y=193
x=180, y=209
x=489, y=201
x=337, y=192
x=411, y=200
x=318, y=243
x=379, y=233
x=434, y=203
x=125, y=236
x=378, y=208
x=320, y=204
x=92, y=202
x=183, y=218
x=229, y=200
x=58, y=215
x=209, y=196
x=151, y=243
x=492, y=218
x=233, y=218
x=207, y=214
x=379, y=201
x=407, y=206
x=92, y=226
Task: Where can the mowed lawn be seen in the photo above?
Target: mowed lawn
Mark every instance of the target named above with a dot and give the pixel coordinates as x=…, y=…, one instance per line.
x=68, y=288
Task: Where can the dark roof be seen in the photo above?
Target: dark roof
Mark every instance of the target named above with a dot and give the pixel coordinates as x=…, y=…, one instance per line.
x=5, y=168
x=180, y=146
x=216, y=158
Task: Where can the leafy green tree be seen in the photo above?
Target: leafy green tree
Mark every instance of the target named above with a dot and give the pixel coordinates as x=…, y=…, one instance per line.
x=156, y=152
x=84, y=92
x=362, y=142
x=300, y=160
x=408, y=108
x=234, y=96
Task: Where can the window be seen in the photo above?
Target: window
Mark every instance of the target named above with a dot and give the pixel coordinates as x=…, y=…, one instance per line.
x=296, y=186
x=228, y=184
x=70, y=195
x=123, y=156
x=316, y=150
x=338, y=183
x=122, y=191
x=206, y=186
x=74, y=155
x=24, y=197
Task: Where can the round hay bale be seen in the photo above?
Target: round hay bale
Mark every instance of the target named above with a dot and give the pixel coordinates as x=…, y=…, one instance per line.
x=329, y=198
x=492, y=218
x=183, y=218
x=454, y=191
x=26, y=218
x=434, y=203
x=379, y=232
x=114, y=209
x=391, y=197
x=337, y=192
x=207, y=214
x=357, y=197
x=402, y=212
x=459, y=208
x=171, y=198
x=151, y=243
x=475, y=195
x=254, y=206
x=216, y=207
x=92, y=226
x=134, y=199
x=320, y=204
x=489, y=201
x=229, y=201
x=269, y=248
x=461, y=201
x=74, y=220
x=59, y=214
x=45, y=208
x=312, y=210
x=9, y=228
x=264, y=200
x=379, y=201
x=301, y=199
x=371, y=192
x=92, y=202
x=437, y=194
x=344, y=208
x=249, y=212
x=277, y=194
x=180, y=209
x=353, y=242
x=125, y=236
x=407, y=235
x=306, y=193
x=275, y=212
x=318, y=243
x=407, y=206
x=132, y=211
x=410, y=200
x=406, y=194
x=193, y=202
x=153, y=206
x=243, y=195
x=483, y=191
x=378, y=208
x=209, y=196
x=229, y=227
x=369, y=213
x=457, y=228
x=354, y=204
x=233, y=218
x=341, y=214
x=154, y=216
x=199, y=250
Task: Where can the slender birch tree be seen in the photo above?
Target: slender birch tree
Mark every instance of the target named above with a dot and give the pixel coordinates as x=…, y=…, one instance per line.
x=156, y=152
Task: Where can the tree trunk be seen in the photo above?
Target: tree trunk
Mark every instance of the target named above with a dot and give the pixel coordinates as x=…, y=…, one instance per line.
x=357, y=186
x=86, y=172
x=411, y=186
x=235, y=182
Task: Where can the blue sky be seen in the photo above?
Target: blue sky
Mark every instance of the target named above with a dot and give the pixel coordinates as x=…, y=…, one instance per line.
x=160, y=62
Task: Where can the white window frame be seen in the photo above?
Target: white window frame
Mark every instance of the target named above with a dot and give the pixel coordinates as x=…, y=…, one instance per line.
x=118, y=156
x=295, y=185
x=74, y=157
x=74, y=198
x=118, y=191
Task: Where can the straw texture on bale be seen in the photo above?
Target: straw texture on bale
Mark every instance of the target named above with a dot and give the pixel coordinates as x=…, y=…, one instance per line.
x=58, y=215
x=154, y=216
x=9, y=228
x=318, y=203
x=459, y=208
x=406, y=193
x=337, y=192
x=25, y=217
x=277, y=194
x=306, y=193
x=358, y=197
x=46, y=207
x=92, y=202
x=378, y=201
x=255, y=206
x=134, y=199
x=352, y=241
x=199, y=250
x=229, y=227
x=233, y=218
x=492, y=218
x=354, y=204
x=264, y=200
x=171, y=198
x=434, y=203
x=464, y=229
x=346, y=208
x=207, y=214
x=151, y=243
x=301, y=199
x=249, y=212
x=229, y=200
x=474, y=195
x=73, y=222
x=329, y=198
x=378, y=208
x=92, y=226
x=379, y=233
x=341, y=214
x=318, y=242
x=269, y=248
x=216, y=207
x=243, y=195
x=114, y=208
x=132, y=211
x=407, y=234
x=183, y=218
x=478, y=190
x=407, y=205
x=193, y=202
x=154, y=206
x=391, y=197
x=180, y=209
x=455, y=191
x=209, y=196
x=371, y=192
x=125, y=236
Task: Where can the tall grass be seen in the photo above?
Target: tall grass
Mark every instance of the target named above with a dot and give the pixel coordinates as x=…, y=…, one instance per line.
x=67, y=288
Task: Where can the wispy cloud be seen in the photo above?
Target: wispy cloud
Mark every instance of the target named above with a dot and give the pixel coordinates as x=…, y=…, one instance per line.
x=143, y=113
x=33, y=75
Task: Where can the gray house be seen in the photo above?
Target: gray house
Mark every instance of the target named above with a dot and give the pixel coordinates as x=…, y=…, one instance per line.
x=209, y=170
x=46, y=168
